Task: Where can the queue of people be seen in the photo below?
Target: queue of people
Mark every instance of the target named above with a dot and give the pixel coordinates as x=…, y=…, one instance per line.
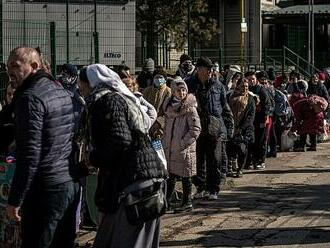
x=208, y=124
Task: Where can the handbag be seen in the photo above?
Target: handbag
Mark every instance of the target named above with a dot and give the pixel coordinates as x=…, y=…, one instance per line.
x=214, y=126
x=144, y=201
x=158, y=147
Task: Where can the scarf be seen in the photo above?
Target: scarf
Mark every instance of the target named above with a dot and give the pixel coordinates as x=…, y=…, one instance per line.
x=238, y=104
x=100, y=77
x=176, y=104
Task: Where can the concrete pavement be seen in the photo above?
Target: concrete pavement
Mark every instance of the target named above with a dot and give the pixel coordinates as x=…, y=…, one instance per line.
x=286, y=205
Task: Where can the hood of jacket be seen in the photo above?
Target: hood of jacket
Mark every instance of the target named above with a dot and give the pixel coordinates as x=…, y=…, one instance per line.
x=186, y=106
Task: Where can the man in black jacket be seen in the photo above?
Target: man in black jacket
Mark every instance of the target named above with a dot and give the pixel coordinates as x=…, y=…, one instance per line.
x=262, y=119
x=43, y=195
x=213, y=108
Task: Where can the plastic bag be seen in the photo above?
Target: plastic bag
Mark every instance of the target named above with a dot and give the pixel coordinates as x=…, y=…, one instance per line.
x=287, y=140
x=157, y=145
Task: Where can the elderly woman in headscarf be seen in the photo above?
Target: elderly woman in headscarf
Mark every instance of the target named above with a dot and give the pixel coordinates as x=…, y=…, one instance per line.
x=242, y=105
x=123, y=153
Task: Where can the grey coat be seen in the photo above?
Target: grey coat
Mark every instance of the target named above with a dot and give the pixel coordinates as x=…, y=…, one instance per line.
x=182, y=127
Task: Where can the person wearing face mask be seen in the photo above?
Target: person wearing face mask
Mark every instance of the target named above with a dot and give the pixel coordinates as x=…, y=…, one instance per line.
x=68, y=79
x=182, y=127
x=217, y=126
x=243, y=107
x=186, y=67
x=156, y=95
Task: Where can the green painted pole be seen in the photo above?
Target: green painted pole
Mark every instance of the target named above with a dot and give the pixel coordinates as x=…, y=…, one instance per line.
x=67, y=33
x=189, y=31
x=53, y=47
x=96, y=36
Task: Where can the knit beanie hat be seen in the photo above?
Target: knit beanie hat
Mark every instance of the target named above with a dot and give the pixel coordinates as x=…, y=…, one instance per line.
x=149, y=65
x=160, y=71
x=262, y=75
x=302, y=85
x=235, y=68
x=70, y=69
x=322, y=76
x=184, y=57
x=178, y=83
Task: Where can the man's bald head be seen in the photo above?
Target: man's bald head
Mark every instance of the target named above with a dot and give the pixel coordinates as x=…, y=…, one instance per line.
x=22, y=62
x=25, y=54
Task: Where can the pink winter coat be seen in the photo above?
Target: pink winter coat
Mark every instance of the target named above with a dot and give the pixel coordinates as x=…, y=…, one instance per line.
x=182, y=128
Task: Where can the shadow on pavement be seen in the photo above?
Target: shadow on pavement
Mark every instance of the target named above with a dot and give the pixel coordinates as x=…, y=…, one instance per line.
x=256, y=237
x=292, y=171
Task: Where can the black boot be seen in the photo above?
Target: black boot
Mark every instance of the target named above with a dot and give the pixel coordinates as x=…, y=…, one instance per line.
x=187, y=192
x=230, y=172
x=170, y=189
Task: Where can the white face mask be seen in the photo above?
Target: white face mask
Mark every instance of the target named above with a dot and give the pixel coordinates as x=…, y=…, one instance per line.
x=159, y=81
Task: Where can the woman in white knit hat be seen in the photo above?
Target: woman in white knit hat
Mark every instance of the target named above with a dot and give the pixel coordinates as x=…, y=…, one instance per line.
x=182, y=127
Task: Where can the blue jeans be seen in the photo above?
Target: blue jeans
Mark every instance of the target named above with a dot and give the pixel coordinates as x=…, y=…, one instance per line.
x=49, y=216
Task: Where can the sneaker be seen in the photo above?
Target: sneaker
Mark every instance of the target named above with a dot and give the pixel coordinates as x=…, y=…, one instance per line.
x=311, y=149
x=260, y=166
x=213, y=196
x=234, y=165
x=299, y=149
x=223, y=179
x=230, y=173
x=200, y=194
x=184, y=208
x=239, y=173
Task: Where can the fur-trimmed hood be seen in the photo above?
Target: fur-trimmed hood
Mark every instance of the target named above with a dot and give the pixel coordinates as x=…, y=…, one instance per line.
x=186, y=106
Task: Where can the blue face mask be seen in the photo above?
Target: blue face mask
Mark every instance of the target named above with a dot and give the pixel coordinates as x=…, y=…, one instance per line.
x=159, y=81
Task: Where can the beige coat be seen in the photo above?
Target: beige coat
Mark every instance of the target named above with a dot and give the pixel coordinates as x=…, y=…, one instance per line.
x=156, y=97
x=182, y=127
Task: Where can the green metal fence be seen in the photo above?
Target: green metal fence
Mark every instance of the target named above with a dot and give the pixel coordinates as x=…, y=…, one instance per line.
x=71, y=31
x=80, y=32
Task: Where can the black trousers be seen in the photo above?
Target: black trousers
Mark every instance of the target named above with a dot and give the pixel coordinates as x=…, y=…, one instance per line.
x=272, y=140
x=312, y=137
x=259, y=149
x=212, y=163
x=49, y=216
x=237, y=150
x=186, y=188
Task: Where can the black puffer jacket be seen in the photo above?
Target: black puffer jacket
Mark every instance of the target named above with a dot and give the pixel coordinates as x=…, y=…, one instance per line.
x=44, y=131
x=123, y=155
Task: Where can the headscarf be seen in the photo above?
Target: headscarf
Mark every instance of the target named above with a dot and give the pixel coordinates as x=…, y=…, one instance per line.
x=238, y=102
x=101, y=76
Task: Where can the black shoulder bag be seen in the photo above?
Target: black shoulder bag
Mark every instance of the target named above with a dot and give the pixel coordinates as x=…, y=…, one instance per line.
x=144, y=200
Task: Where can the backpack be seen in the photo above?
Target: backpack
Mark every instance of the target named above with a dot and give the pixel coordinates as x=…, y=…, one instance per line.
x=272, y=99
x=318, y=103
x=282, y=106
